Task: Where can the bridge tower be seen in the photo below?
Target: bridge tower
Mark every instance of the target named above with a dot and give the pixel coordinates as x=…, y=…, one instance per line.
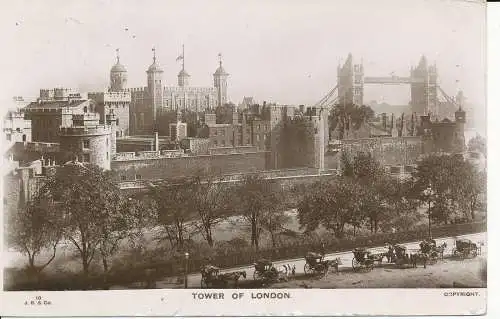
x=350, y=81
x=424, y=87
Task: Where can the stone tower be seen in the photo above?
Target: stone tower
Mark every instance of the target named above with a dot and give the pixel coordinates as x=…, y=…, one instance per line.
x=220, y=83
x=350, y=80
x=87, y=140
x=460, y=128
x=111, y=122
x=424, y=88
x=118, y=75
x=183, y=76
x=155, y=88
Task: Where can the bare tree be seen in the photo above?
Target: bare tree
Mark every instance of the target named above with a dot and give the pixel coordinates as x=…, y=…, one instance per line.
x=174, y=209
x=211, y=203
x=32, y=229
x=253, y=200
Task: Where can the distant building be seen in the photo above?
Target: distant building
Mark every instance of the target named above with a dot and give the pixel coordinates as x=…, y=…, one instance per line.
x=52, y=109
x=147, y=103
x=16, y=128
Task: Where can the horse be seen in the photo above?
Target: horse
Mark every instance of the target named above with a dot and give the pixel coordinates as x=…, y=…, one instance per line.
x=231, y=276
x=334, y=263
x=391, y=253
x=288, y=273
x=440, y=250
x=419, y=258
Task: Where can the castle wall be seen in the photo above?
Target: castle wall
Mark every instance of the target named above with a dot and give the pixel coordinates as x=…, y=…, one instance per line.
x=390, y=151
x=119, y=102
x=159, y=168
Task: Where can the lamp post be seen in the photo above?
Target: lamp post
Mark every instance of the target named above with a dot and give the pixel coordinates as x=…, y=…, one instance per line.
x=428, y=193
x=186, y=255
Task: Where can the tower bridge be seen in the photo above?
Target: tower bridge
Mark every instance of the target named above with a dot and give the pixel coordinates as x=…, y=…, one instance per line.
x=427, y=97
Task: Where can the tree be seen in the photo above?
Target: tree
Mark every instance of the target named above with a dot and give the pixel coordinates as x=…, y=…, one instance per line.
x=32, y=229
x=275, y=217
x=469, y=184
x=253, y=199
x=377, y=187
x=174, y=208
x=477, y=144
x=452, y=181
x=331, y=204
x=343, y=115
x=211, y=201
x=91, y=206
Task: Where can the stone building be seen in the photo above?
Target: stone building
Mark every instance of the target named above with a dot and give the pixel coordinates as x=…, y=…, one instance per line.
x=16, y=128
x=47, y=113
x=148, y=103
x=87, y=141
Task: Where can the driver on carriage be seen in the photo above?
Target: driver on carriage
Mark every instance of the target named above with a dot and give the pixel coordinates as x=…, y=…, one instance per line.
x=210, y=268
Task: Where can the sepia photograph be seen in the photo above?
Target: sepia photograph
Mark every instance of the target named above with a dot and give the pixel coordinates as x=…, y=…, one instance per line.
x=264, y=149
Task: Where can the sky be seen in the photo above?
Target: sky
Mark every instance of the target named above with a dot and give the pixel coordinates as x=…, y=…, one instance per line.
x=284, y=51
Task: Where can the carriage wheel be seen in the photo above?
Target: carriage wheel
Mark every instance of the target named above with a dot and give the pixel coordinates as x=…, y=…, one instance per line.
x=454, y=252
x=308, y=269
x=355, y=264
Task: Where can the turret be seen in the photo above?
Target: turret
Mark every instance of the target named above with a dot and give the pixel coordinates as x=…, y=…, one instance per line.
x=118, y=75
x=155, y=86
x=183, y=76
x=220, y=83
x=111, y=122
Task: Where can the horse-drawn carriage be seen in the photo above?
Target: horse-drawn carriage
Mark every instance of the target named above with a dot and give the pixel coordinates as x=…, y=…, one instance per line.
x=403, y=257
x=465, y=248
x=363, y=259
x=317, y=265
x=430, y=250
x=211, y=277
x=264, y=270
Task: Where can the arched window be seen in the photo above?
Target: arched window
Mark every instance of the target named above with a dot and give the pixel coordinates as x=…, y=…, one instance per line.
x=24, y=137
x=84, y=109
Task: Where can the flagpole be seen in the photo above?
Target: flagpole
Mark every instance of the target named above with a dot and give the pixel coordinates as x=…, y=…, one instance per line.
x=183, y=56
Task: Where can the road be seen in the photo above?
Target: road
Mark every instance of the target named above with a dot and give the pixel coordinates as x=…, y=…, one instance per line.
x=345, y=257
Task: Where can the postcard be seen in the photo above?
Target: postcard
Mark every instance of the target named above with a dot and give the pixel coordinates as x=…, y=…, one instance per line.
x=263, y=158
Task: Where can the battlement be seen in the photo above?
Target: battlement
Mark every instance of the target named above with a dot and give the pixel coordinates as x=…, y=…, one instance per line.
x=138, y=89
x=121, y=96
x=58, y=94
x=85, y=130
x=41, y=147
x=188, y=89
x=130, y=156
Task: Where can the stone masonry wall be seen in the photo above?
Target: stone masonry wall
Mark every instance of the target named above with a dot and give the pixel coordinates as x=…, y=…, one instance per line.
x=388, y=150
x=190, y=165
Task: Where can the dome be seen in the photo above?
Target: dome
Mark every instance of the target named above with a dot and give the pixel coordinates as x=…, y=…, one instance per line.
x=155, y=67
x=118, y=67
x=183, y=73
x=220, y=71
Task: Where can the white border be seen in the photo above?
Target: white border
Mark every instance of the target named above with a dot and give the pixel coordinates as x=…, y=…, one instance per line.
x=311, y=302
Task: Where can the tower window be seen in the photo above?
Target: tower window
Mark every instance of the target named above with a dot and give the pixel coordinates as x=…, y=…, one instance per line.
x=24, y=138
x=86, y=158
x=86, y=144
x=107, y=155
x=85, y=109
